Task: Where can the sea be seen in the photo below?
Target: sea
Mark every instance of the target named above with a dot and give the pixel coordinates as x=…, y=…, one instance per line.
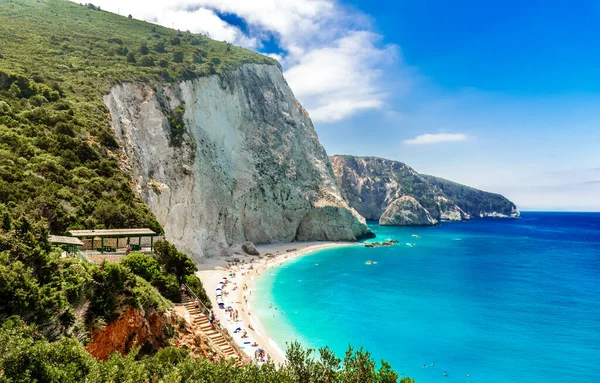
x=495, y=300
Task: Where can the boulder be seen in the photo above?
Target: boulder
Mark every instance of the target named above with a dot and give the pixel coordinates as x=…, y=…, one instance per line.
x=249, y=248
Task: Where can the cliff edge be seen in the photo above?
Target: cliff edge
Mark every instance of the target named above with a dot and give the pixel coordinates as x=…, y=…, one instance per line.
x=222, y=160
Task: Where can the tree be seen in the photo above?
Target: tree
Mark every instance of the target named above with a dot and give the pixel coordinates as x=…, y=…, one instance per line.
x=175, y=41
x=131, y=57
x=160, y=47
x=142, y=265
x=163, y=63
x=172, y=260
x=144, y=49
x=178, y=56
x=147, y=61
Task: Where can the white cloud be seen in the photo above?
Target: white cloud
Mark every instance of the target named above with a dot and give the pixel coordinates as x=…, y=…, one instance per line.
x=331, y=59
x=429, y=138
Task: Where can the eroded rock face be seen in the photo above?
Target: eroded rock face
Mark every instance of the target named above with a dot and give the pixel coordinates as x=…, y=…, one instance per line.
x=406, y=211
x=133, y=328
x=248, y=167
x=371, y=184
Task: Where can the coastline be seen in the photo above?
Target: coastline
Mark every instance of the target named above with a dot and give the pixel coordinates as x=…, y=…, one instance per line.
x=244, y=276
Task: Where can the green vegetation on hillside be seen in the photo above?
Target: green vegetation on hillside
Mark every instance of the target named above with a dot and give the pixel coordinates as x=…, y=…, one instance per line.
x=44, y=289
x=26, y=357
x=58, y=155
x=472, y=201
x=60, y=170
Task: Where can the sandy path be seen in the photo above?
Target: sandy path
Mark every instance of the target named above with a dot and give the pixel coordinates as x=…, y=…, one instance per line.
x=244, y=276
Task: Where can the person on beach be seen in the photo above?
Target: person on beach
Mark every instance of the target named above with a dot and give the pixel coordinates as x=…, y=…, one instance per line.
x=211, y=317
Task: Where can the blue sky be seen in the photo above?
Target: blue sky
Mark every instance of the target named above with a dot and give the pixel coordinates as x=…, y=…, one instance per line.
x=503, y=96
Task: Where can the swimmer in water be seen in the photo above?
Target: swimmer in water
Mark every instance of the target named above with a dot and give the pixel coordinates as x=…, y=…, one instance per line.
x=445, y=373
x=467, y=374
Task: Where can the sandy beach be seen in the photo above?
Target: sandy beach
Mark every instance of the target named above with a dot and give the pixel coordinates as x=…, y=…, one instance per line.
x=241, y=279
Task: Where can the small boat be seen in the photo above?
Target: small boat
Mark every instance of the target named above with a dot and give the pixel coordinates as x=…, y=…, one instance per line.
x=410, y=244
x=369, y=262
x=416, y=235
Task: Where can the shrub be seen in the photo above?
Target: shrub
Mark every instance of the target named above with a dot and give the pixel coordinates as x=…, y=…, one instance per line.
x=160, y=47
x=178, y=56
x=172, y=261
x=131, y=57
x=147, y=61
x=144, y=49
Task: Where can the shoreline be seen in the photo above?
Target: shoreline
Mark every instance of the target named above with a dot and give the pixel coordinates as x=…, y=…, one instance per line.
x=244, y=276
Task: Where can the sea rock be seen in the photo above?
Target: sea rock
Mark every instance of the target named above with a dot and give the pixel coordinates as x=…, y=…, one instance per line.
x=406, y=211
x=389, y=242
x=249, y=248
x=248, y=165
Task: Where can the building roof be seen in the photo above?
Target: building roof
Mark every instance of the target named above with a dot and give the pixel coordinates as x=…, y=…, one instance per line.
x=59, y=239
x=111, y=233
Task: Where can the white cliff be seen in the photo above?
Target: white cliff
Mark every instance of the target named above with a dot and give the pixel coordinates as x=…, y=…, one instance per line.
x=406, y=211
x=247, y=167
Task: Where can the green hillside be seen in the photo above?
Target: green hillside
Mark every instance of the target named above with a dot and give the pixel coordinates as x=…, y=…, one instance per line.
x=58, y=156
x=59, y=170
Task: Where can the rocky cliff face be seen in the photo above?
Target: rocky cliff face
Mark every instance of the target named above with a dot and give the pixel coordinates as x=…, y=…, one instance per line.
x=133, y=328
x=372, y=184
x=406, y=211
x=226, y=160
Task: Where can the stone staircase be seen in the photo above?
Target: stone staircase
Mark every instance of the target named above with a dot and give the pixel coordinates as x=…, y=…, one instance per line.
x=201, y=322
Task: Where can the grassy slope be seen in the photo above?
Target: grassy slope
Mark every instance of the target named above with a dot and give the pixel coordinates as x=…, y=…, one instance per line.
x=58, y=160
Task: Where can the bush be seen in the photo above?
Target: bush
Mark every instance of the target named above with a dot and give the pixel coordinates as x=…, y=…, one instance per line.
x=178, y=56
x=160, y=47
x=148, y=268
x=172, y=261
x=131, y=57
x=144, y=49
x=147, y=61
x=195, y=284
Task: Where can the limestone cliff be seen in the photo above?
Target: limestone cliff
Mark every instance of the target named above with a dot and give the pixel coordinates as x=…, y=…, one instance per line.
x=224, y=160
x=372, y=184
x=406, y=211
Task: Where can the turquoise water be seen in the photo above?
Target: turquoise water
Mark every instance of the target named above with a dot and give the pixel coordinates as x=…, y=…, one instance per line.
x=504, y=300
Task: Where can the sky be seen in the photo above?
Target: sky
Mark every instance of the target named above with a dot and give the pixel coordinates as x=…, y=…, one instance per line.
x=499, y=95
